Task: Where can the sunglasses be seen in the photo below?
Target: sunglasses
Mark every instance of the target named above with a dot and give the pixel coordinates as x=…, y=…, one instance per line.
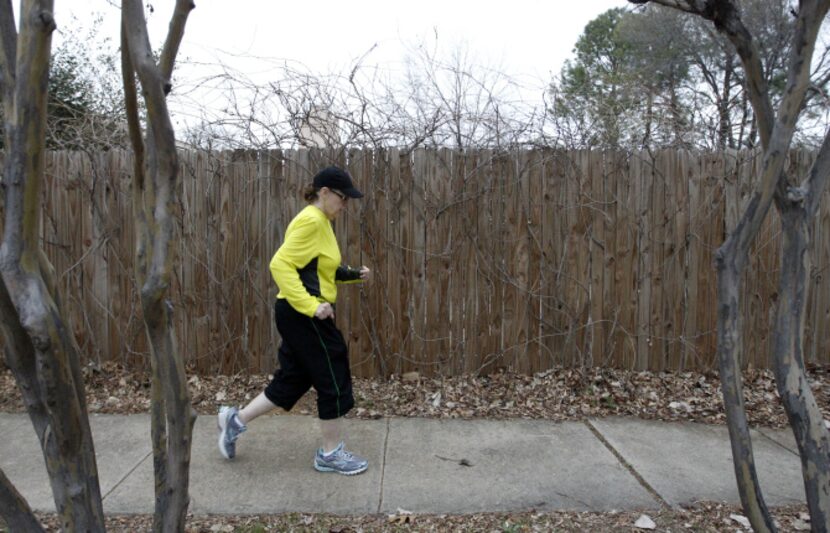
x=340, y=195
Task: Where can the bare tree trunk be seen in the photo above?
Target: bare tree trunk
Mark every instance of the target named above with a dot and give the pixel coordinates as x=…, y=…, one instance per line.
x=743, y=140
x=8, y=42
x=730, y=348
x=40, y=351
x=20, y=359
x=805, y=417
x=730, y=262
x=14, y=509
x=776, y=136
x=154, y=198
x=677, y=115
x=724, y=135
x=649, y=119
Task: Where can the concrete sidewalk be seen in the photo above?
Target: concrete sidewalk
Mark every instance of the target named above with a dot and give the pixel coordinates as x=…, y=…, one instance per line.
x=425, y=466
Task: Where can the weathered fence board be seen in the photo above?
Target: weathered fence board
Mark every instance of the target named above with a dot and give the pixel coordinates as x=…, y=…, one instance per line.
x=482, y=260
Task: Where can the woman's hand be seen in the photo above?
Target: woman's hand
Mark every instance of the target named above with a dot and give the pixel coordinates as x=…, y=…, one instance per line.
x=365, y=273
x=324, y=311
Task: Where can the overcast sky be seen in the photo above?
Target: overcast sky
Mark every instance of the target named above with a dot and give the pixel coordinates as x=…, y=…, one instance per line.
x=523, y=36
x=526, y=39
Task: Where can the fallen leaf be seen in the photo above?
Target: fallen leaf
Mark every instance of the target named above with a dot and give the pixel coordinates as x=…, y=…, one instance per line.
x=220, y=396
x=680, y=405
x=411, y=376
x=402, y=516
x=645, y=522
x=800, y=525
x=744, y=521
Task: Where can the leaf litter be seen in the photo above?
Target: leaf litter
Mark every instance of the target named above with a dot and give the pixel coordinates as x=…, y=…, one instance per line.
x=558, y=395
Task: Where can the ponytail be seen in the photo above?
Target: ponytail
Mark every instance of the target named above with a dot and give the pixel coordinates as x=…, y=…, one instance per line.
x=310, y=193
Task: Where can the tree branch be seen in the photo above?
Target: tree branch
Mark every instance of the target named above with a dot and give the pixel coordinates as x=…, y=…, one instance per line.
x=131, y=105
x=29, y=118
x=816, y=181
x=134, y=126
x=810, y=17
x=160, y=135
x=174, y=39
x=8, y=62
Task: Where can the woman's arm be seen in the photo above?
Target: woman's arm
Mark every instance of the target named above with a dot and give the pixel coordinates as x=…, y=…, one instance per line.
x=298, y=250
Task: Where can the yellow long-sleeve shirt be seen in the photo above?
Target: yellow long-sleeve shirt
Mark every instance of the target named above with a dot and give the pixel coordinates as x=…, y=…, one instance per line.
x=306, y=268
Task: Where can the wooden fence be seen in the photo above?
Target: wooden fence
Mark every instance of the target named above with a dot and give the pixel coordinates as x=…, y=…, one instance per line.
x=482, y=260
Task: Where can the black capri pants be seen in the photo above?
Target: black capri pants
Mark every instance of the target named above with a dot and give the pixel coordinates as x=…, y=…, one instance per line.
x=313, y=353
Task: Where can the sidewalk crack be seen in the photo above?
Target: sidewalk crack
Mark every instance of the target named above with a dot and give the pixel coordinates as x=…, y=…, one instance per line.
x=772, y=440
x=125, y=476
x=383, y=465
x=640, y=479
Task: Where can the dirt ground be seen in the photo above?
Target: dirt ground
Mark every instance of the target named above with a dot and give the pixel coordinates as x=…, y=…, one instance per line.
x=560, y=394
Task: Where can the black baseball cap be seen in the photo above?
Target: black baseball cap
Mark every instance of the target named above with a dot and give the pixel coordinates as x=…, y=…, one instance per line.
x=337, y=178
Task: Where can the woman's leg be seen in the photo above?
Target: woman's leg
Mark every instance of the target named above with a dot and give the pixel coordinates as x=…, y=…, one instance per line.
x=333, y=381
x=290, y=382
x=257, y=407
x=332, y=431
x=333, y=456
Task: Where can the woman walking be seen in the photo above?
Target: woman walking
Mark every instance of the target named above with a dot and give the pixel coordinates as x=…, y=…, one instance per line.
x=313, y=352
